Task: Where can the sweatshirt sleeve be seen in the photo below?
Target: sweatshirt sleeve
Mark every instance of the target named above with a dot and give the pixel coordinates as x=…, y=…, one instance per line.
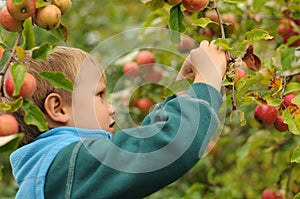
x=139, y=161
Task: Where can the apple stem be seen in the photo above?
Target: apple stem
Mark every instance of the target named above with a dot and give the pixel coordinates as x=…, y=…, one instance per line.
x=10, y=59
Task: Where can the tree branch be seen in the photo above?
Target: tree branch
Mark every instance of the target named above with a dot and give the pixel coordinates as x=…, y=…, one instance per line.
x=7, y=64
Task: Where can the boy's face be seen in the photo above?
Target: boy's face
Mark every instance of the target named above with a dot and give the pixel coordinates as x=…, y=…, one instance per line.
x=90, y=108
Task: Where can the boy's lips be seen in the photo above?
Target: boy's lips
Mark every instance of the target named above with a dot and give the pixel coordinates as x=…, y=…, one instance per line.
x=111, y=129
x=112, y=124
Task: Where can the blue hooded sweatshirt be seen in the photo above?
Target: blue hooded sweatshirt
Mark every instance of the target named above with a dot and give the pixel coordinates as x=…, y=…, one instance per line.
x=31, y=162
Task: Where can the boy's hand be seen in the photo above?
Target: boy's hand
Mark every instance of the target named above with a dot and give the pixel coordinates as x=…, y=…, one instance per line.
x=207, y=64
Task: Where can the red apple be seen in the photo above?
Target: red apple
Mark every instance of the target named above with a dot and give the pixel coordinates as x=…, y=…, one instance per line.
x=284, y=29
x=195, y=5
x=265, y=114
x=8, y=22
x=144, y=104
x=212, y=15
x=287, y=100
x=131, y=69
x=146, y=59
x=154, y=75
x=27, y=89
x=63, y=5
x=270, y=194
x=229, y=18
x=207, y=32
x=21, y=10
x=48, y=17
x=173, y=2
x=280, y=125
x=8, y=125
x=239, y=74
x=186, y=44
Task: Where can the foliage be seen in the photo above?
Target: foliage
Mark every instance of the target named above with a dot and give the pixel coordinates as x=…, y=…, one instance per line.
x=253, y=157
x=248, y=157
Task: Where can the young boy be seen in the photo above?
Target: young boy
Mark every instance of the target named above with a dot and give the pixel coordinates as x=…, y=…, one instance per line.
x=82, y=157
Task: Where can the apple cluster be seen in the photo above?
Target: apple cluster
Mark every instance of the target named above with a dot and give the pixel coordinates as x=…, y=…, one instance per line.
x=8, y=123
x=190, y=5
x=271, y=115
x=144, y=67
x=13, y=14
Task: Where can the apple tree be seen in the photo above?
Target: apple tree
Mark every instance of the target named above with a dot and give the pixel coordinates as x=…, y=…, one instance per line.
x=258, y=151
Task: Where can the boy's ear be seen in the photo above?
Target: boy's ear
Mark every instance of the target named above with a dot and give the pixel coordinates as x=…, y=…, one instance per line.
x=55, y=108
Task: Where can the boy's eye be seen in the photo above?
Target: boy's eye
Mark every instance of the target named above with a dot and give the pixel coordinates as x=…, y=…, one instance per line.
x=101, y=94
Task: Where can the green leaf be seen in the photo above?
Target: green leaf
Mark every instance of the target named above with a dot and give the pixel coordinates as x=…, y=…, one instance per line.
x=257, y=35
x=34, y=116
x=235, y=1
x=177, y=86
x=12, y=145
x=258, y=4
x=242, y=118
x=292, y=122
x=43, y=51
x=203, y=22
x=153, y=4
x=16, y=1
x=176, y=19
x=12, y=106
x=223, y=43
x=28, y=34
x=42, y=3
x=61, y=32
x=4, y=106
x=58, y=80
x=243, y=85
x=292, y=39
x=296, y=155
x=297, y=196
x=243, y=152
x=292, y=87
x=296, y=15
x=296, y=100
x=273, y=101
x=287, y=56
x=18, y=71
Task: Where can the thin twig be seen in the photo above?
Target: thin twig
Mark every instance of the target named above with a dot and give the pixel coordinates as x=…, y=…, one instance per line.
x=291, y=74
x=7, y=64
x=220, y=20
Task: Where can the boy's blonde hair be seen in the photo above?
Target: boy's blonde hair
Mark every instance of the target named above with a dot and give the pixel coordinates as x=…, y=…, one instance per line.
x=67, y=60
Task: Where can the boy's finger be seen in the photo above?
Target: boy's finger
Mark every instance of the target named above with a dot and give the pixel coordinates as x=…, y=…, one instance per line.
x=204, y=44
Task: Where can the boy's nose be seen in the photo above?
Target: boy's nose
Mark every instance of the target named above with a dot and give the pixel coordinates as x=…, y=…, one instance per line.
x=112, y=109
